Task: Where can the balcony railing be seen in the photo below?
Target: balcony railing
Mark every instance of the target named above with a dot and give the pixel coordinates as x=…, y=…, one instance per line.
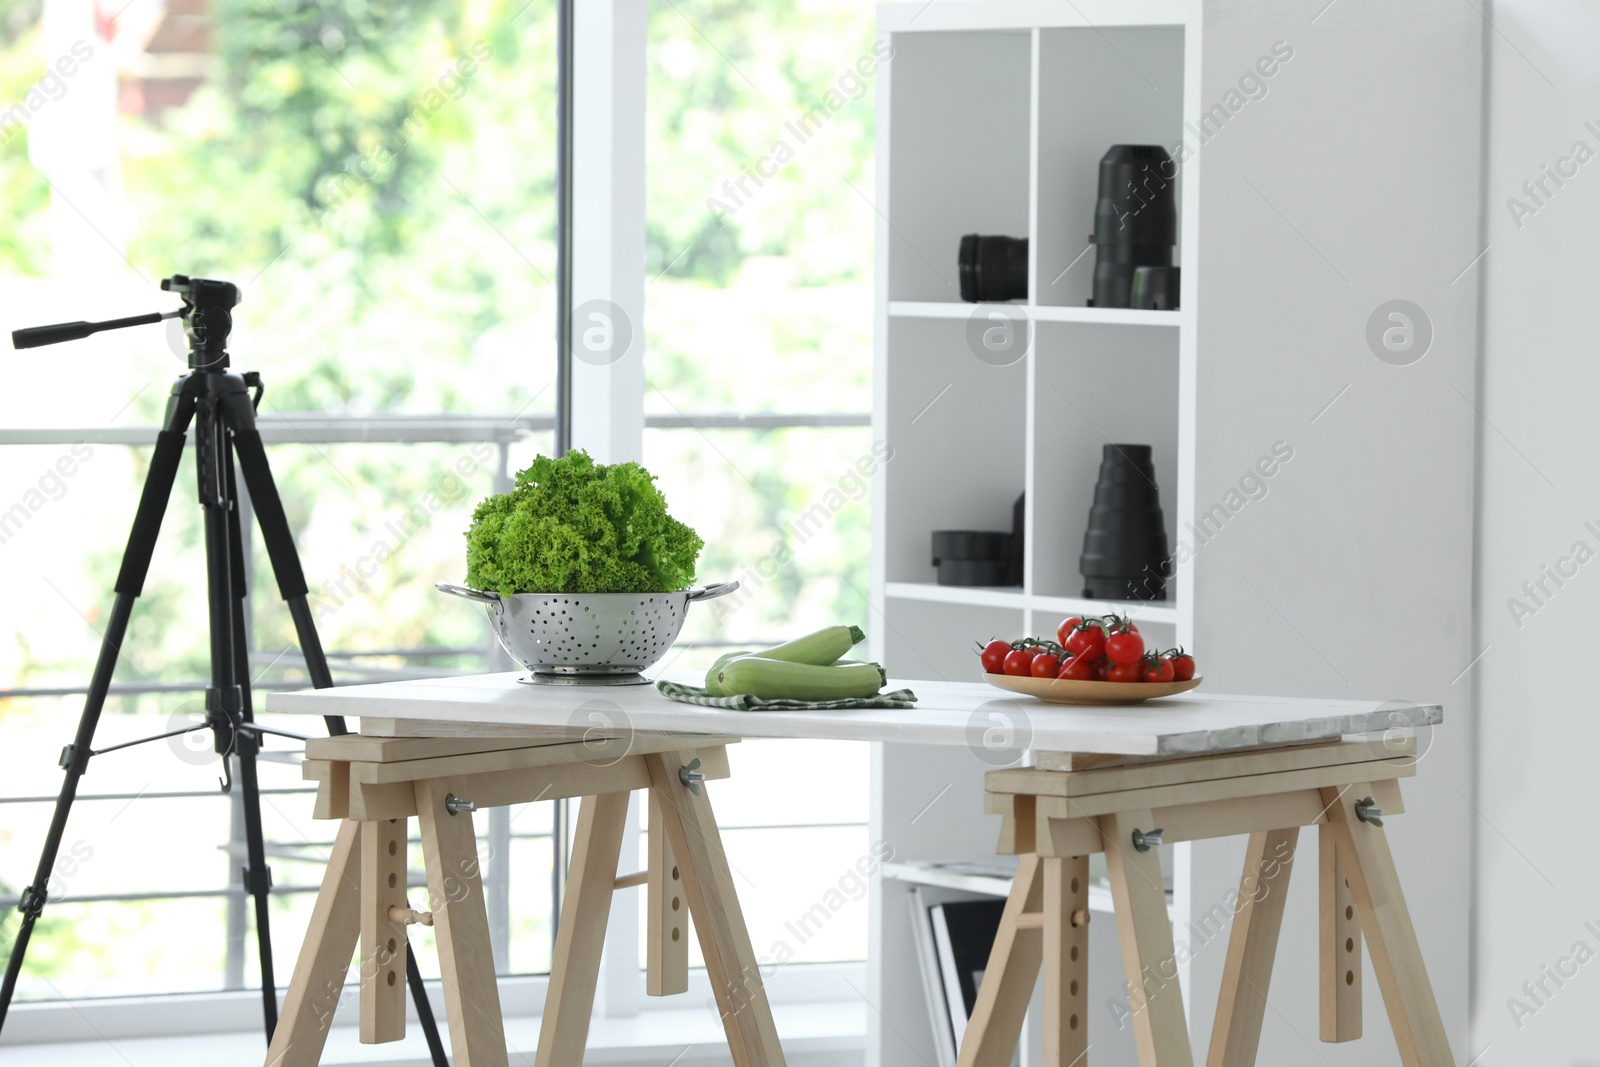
x=306, y=428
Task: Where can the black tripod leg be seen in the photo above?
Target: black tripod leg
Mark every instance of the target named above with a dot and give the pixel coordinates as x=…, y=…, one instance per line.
x=280, y=544
x=130, y=583
x=257, y=875
x=291, y=577
x=225, y=710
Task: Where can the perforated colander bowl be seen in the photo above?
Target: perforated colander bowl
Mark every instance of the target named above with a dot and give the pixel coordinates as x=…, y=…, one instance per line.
x=588, y=633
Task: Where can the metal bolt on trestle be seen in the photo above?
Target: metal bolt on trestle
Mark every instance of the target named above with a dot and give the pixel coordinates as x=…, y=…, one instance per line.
x=1368, y=811
x=456, y=805
x=1145, y=840
x=692, y=776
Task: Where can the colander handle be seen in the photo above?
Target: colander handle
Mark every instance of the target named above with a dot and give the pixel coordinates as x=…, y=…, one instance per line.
x=468, y=593
x=712, y=591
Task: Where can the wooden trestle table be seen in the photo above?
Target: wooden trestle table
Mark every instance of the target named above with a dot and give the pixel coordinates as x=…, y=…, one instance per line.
x=1120, y=780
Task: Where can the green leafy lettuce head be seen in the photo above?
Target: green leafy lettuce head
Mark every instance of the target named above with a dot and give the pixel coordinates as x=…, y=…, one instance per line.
x=572, y=525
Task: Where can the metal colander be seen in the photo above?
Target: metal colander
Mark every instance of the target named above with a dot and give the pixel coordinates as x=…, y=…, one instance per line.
x=594, y=634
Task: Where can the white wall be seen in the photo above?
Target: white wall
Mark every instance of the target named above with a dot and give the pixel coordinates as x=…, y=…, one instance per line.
x=1353, y=181
x=1537, y=883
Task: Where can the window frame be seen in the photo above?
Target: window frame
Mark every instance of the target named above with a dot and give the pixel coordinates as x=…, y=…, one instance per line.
x=609, y=420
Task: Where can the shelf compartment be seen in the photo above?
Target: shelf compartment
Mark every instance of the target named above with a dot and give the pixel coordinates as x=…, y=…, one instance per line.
x=941, y=475
x=1095, y=88
x=947, y=87
x=1095, y=385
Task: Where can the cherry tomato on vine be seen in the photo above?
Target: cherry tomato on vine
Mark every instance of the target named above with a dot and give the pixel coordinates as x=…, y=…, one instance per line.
x=1078, y=669
x=1045, y=665
x=993, y=657
x=1019, y=662
x=1156, y=669
x=1124, y=672
x=1124, y=648
x=1064, y=631
x=1088, y=640
x=1102, y=669
x=1182, y=666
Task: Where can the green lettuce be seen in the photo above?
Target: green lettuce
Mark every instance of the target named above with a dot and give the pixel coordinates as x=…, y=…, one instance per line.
x=572, y=525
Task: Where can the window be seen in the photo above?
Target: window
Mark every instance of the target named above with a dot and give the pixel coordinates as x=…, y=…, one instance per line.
x=379, y=183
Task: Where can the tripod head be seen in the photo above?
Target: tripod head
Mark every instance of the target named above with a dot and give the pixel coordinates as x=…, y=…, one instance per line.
x=207, y=315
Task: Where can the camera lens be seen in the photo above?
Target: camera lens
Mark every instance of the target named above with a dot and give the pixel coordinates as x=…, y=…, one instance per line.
x=993, y=268
x=1135, y=219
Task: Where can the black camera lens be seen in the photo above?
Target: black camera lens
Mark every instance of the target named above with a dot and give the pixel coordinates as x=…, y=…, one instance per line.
x=993, y=268
x=1135, y=219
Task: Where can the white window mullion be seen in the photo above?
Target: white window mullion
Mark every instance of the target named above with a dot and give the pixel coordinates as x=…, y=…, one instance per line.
x=608, y=278
x=608, y=257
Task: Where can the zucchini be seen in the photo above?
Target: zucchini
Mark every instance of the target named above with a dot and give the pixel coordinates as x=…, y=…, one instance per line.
x=819, y=649
x=711, y=675
x=775, y=679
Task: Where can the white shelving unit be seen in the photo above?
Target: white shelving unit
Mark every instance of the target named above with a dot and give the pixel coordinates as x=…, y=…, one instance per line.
x=992, y=118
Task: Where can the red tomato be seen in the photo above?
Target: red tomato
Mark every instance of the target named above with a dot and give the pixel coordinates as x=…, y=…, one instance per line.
x=993, y=657
x=1078, y=669
x=1182, y=666
x=1124, y=648
x=1124, y=672
x=1019, y=662
x=1089, y=641
x=1064, y=631
x=1045, y=665
x=1102, y=669
x=1156, y=669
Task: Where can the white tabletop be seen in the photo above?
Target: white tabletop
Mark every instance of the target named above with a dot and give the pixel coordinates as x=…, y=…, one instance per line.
x=947, y=713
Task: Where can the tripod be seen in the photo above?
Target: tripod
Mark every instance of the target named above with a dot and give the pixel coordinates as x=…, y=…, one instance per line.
x=220, y=406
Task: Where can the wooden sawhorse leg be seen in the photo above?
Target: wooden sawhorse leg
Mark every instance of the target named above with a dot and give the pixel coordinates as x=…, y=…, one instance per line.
x=585, y=910
x=1144, y=928
x=687, y=819
x=1252, y=946
x=1066, y=960
x=996, y=1020
x=461, y=929
x=1381, y=907
x=1358, y=883
x=666, y=935
x=319, y=971
x=1339, y=932
x=1046, y=920
x=455, y=884
x=687, y=863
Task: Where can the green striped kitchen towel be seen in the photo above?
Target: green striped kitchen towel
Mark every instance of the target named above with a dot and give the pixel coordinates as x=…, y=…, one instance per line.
x=692, y=694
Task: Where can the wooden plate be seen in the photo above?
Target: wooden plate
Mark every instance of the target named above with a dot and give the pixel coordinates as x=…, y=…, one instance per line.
x=1066, y=691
